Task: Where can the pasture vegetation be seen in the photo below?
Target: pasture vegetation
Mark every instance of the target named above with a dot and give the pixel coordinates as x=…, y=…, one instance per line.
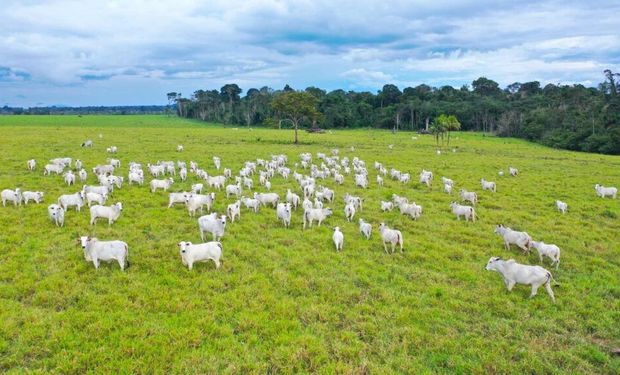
x=284, y=301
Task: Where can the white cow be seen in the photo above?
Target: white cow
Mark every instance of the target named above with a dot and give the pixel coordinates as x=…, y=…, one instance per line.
x=550, y=250
x=488, y=185
x=349, y=211
x=112, y=213
x=252, y=203
x=197, y=201
x=203, y=252
x=70, y=200
x=83, y=175
x=292, y=198
x=513, y=237
x=136, y=176
x=603, y=191
x=387, y=206
x=96, y=197
x=338, y=238
x=470, y=196
x=69, y=178
x=78, y=164
x=267, y=198
x=179, y=148
x=513, y=171
x=213, y=224
x=161, y=184
x=32, y=164
x=447, y=188
x=561, y=206
x=515, y=273
x=181, y=197
x=87, y=143
x=197, y=188
x=56, y=214
x=107, y=251
x=49, y=168
x=411, y=209
x=365, y=228
x=283, y=212
x=379, y=180
x=14, y=196
x=467, y=212
x=234, y=211
x=393, y=236
x=105, y=169
x=318, y=214
x=233, y=190
x=36, y=196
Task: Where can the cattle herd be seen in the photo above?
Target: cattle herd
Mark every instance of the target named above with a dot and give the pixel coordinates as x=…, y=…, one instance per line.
x=310, y=202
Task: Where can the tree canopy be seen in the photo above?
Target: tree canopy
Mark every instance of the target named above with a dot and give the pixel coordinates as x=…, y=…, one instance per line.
x=573, y=117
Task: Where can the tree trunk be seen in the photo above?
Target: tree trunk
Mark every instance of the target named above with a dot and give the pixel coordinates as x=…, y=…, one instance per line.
x=427, y=123
x=296, y=139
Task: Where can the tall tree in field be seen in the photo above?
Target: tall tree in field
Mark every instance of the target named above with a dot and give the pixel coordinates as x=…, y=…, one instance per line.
x=295, y=106
x=172, y=96
x=230, y=92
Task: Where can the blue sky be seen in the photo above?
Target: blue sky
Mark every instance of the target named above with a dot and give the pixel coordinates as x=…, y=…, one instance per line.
x=122, y=52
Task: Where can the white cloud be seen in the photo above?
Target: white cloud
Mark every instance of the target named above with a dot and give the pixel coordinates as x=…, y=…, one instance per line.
x=132, y=49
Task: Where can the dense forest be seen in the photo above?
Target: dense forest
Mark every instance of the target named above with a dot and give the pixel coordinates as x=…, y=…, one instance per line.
x=89, y=110
x=572, y=117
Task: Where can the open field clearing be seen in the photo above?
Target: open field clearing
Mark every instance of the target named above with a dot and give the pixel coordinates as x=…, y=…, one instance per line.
x=284, y=301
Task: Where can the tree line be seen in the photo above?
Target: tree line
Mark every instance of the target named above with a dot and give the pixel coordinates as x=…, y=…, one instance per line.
x=571, y=117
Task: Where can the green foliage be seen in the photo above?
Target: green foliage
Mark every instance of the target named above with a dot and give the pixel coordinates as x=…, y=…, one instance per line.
x=562, y=115
x=284, y=301
x=296, y=106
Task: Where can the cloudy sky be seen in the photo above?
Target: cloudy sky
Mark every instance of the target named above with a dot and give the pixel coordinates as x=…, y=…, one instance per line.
x=96, y=52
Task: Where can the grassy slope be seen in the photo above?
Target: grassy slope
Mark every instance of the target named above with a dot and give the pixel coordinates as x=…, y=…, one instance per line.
x=284, y=300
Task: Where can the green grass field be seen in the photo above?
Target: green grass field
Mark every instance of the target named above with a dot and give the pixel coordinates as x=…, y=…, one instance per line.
x=284, y=300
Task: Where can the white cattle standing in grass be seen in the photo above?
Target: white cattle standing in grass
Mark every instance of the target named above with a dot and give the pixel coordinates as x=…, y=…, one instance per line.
x=338, y=238
x=49, y=168
x=233, y=190
x=234, y=211
x=179, y=148
x=292, y=198
x=217, y=162
x=349, y=211
x=318, y=214
x=365, y=228
x=513, y=237
x=213, y=224
x=78, y=164
x=515, y=273
x=203, y=252
x=197, y=201
x=87, y=143
x=83, y=175
x=136, y=176
x=114, y=162
x=112, y=213
x=379, y=180
x=411, y=209
x=283, y=212
x=197, y=188
x=267, y=198
x=393, y=236
x=56, y=214
x=97, y=198
x=161, y=184
x=70, y=200
x=561, y=206
x=32, y=164
x=603, y=191
x=14, y=196
x=36, y=196
x=107, y=251
x=183, y=174
x=251, y=203
x=469, y=196
x=549, y=250
x=181, y=197
x=447, y=188
x=488, y=185
x=361, y=180
x=69, y=178
x=387, y=206
x=513, y=171
x=467, y=212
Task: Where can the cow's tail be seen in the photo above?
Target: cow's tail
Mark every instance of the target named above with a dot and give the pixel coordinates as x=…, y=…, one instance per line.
x=473, y=214
x=399, y=240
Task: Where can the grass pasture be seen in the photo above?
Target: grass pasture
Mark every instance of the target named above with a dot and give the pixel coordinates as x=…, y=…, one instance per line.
x=284, y=300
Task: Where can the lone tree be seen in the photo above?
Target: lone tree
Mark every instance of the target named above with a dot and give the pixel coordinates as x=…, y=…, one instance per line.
x=295, y=106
